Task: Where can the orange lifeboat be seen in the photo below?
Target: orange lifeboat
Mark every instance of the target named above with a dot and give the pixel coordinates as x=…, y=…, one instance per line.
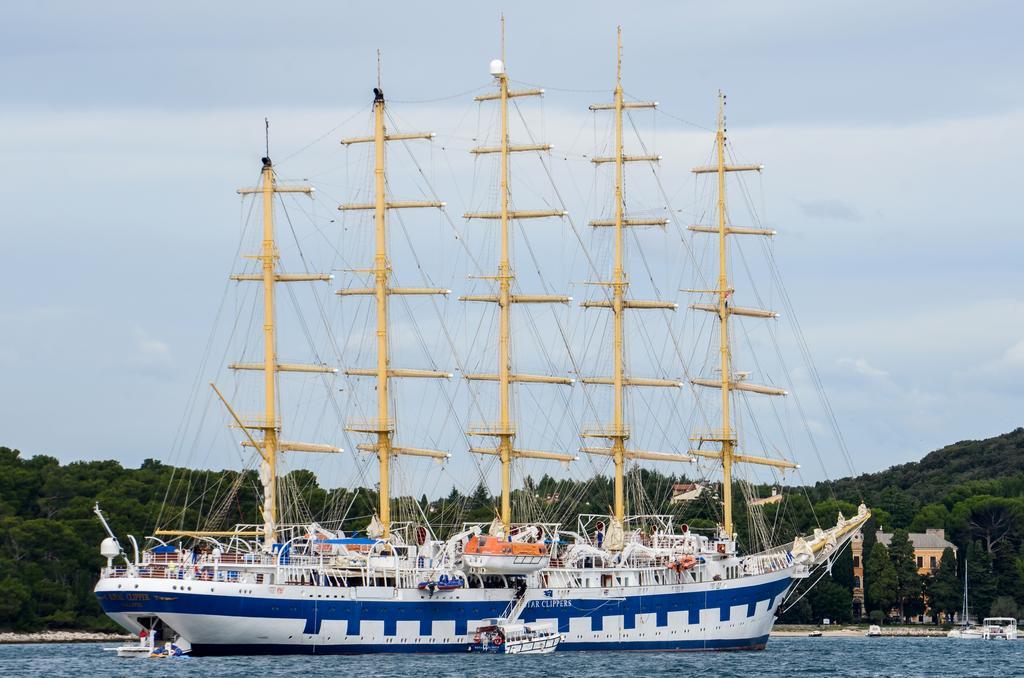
x=500, y=556
x=683, y=564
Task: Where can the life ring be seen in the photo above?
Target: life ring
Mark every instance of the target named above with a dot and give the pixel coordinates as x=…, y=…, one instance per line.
x=476, y=637
x=497, y=640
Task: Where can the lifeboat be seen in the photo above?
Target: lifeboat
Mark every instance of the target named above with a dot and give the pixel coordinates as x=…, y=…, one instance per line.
x=683, y=564
x=498, y=556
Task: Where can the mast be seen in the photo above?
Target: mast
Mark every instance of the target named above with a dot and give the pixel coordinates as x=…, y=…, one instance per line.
x=271, y=445
x=504, y=431
x=268, y=258
x=383, y=426
x=618, y=433
x=727, y=383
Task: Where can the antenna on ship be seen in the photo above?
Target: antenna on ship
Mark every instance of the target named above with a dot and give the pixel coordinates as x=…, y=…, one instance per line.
x=504, y=430
x=729, y=382
x=618, y=432
x=383, y=426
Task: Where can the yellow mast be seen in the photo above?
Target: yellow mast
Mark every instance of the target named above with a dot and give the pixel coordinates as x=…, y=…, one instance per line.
x=268, y=257
x=726, y=437
x=383, y=427
x=723, y=338
x=618, y=295
x=619, y=431
x=380, y=277
x=505, y=431
x=271, y=444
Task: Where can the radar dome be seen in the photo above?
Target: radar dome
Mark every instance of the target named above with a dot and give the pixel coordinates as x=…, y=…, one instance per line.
x=497, y=67
x=109, y=548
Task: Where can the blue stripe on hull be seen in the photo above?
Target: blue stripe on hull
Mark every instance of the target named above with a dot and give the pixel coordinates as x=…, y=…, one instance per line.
x=314, y=611
x=369, y=648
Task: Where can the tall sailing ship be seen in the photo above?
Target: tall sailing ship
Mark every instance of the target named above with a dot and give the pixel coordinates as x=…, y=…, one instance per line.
x=613, y=581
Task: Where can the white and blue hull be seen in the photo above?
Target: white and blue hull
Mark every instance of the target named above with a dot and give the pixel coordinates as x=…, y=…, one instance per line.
x=232, y=618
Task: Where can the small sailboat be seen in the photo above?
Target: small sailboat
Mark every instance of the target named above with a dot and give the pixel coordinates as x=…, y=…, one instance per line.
x=992, y=628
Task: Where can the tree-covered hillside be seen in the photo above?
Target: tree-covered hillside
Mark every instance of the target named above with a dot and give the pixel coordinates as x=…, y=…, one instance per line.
x=49, y=536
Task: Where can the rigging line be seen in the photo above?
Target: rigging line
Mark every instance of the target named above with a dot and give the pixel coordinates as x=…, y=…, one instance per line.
x=559, y=89
x=445, y=98
x=778, y=351
x=441, y=321
x=693, y=260
x=333, y=342
x=579, y=239
x=323, y=136
x=190, y=407
x=801, y=340
x=433, y=194
x=662, y=111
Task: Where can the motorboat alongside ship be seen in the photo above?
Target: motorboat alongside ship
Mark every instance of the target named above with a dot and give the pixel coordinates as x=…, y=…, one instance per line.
x=499, y=637
x=621, y=580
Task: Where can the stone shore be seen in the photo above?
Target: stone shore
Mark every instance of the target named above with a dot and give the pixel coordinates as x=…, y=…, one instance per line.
x=781, y=631
x=7, y=638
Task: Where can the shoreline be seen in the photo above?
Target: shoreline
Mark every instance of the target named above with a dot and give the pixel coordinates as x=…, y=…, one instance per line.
x=12, y=638
x=858, y=632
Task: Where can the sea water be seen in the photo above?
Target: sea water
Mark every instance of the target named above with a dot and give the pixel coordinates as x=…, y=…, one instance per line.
x=784, y=657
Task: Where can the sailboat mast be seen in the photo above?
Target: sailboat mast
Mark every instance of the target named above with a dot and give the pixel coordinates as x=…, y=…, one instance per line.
x=723, y=313
x=618, y=431
x=380, y=275
x=505, y=432
x=504, y=429
x=383, y=426
x=268, y=258
x=619, y=284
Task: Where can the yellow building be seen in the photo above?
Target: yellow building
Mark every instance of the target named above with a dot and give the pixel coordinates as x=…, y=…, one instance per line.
x=928, y=548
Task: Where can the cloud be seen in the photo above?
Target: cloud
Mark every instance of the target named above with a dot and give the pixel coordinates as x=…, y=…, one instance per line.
x=862, y=366
x=149, y=354
x=1004, y=370
x=830, y=209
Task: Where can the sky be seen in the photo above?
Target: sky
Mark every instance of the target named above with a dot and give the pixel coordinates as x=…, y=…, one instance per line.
x=891, y=133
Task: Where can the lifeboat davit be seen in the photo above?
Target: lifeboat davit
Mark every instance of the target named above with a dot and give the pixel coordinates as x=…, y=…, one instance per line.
x=499, y=556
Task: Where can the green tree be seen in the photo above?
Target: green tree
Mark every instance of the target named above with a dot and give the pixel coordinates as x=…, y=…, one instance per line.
x=880, y=576
x=908, y=581
x=932, y=515
x=945, y=593
x=831, y=600
x=980, y=585
x=1004, y=606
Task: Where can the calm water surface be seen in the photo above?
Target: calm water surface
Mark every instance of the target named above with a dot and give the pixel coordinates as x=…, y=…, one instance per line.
x=784, y=656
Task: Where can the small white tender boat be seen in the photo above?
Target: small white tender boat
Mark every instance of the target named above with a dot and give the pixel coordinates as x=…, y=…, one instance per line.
x=143, y=648
x=874, y=631
x=502, y=637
